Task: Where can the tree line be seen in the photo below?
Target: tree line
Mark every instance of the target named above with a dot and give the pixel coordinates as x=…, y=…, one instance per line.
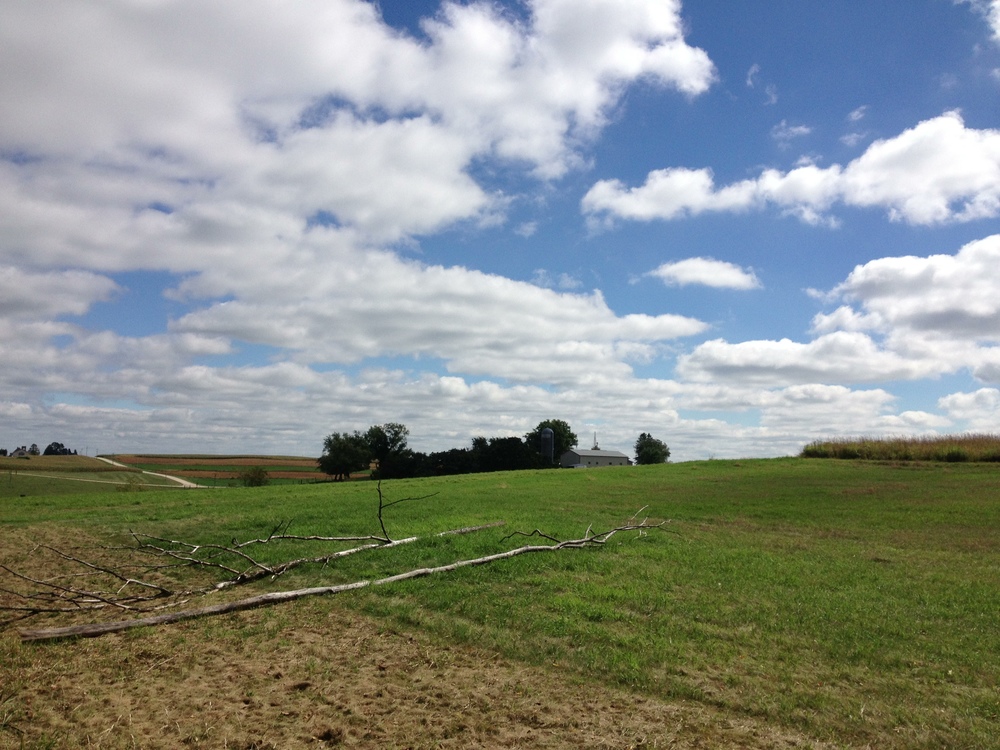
x=53, y=449
x=383, y=449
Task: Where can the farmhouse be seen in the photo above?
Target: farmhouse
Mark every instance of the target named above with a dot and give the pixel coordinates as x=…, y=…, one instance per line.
x=578, y=459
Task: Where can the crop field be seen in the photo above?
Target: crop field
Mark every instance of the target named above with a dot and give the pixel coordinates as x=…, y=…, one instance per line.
x=785, y=603
x=211, y=470
x=949, y=448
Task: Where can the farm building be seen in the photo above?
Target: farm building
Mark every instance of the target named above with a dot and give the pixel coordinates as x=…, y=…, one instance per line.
x=578, y=459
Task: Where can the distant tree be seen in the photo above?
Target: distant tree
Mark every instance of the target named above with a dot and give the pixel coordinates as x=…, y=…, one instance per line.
x=254, y=476
x=386, y=446
x=3, y=451
x=454, y=461
x=344, y=454
x=649, y=450
x=56, y=449
x=563, y=437
x=506, y=454
x=33, y=450
x=404, y=464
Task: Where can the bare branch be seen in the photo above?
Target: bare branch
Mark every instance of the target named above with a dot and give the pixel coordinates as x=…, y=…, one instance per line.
x=382, y=505
x=312, y=538
x=98, y=629
x=536, y=532
x=115, y=574
x=325, y=559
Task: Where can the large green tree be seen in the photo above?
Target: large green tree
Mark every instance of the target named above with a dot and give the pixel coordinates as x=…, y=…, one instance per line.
x=649, y=450
x=387, y=447
x=563, y=437
x=344, y=453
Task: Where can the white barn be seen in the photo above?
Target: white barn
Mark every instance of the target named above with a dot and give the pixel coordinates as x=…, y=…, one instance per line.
x=578, y=459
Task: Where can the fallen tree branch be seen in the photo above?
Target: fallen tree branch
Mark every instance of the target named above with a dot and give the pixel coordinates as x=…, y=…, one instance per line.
x=93, y=630
x=75, y=599
x=382, y=505
x=273, y=572
x=258, y=570
x=55, y=595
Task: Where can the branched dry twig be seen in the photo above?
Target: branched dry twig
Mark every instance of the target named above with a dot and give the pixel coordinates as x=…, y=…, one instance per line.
x=257, y=570
x=71, y=599
x=536, y=532
x=96, y=629
x=382, y=505
x=75, y=592
x=161, y=591
x=53, y=596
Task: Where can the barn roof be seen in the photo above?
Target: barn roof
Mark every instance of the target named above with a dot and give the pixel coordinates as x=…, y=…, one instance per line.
x=597, y=454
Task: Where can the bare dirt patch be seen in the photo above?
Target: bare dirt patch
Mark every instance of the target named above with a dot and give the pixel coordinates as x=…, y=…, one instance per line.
x=315, y=675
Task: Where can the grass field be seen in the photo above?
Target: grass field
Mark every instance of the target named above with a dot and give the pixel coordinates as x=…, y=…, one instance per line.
x=789, y=603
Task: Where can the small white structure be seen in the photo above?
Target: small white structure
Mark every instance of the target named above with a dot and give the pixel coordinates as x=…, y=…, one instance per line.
x=579, y=459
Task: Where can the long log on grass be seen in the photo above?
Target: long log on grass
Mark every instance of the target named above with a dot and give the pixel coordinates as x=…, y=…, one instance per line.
x=94, y=630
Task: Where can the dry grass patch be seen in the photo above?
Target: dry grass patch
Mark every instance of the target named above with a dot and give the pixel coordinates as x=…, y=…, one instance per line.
x=947, y=448
x=314, y=675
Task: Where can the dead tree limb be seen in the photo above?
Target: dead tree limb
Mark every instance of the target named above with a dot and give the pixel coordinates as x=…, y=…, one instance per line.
x=62, y=594
x=97, y=629
x=61, y=598
x=260, y=571
x=382, y=505
x=126, y=580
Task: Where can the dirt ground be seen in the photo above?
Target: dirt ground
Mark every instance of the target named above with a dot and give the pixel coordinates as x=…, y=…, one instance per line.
x=259, y=680
x=315, y=674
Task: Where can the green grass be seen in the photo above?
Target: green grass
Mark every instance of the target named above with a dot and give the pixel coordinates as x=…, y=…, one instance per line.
x=43, y=476
x=26, y=483
x=854, y=601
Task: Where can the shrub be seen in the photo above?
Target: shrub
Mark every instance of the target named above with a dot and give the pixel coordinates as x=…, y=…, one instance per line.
x=254, y=476
x=132, y=483
x=955, y=455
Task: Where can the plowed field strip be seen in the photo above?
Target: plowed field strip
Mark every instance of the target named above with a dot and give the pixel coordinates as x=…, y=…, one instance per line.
x=219, y=462
x=224, y=474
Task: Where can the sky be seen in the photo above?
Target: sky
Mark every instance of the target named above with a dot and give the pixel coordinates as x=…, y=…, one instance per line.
x=737, y=226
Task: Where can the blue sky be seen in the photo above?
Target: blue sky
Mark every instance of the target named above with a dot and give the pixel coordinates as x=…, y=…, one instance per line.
x=738, y=226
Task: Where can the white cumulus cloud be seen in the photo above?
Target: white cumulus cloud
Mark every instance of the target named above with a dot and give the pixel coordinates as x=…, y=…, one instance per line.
x=901, y=318
x=937, y=172
x=990, y=9
x=706, y=272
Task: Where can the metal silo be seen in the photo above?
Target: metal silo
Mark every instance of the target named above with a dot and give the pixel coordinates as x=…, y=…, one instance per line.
x=548, y=444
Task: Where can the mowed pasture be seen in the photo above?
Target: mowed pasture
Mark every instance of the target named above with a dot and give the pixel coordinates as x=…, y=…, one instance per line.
x=785, y=603
x=222, y=470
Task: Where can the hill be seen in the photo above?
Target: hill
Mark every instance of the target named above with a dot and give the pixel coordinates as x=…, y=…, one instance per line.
x=789, y=602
